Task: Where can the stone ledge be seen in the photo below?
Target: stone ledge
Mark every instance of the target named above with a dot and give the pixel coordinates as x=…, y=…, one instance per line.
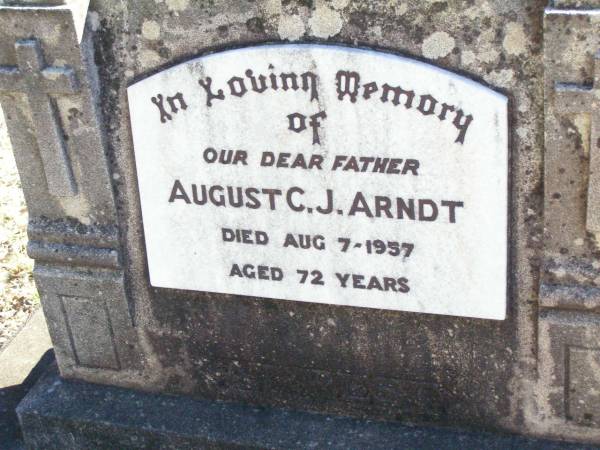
x=22, y=362
x=22, y=354
x=64, y=414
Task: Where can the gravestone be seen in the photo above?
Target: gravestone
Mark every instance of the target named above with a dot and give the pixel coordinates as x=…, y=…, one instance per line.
x=250, y=220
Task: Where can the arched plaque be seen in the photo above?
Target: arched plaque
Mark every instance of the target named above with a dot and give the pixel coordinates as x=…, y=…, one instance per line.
x=325, y=174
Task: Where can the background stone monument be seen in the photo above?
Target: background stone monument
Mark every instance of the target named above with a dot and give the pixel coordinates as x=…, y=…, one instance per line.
x=65, y=71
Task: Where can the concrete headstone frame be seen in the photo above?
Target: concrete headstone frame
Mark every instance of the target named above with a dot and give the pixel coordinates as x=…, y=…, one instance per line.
x=50, y=103
x=64, y=74
x=569, y=299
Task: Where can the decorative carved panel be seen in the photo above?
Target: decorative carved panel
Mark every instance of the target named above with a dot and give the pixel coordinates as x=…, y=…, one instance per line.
x=50, y=99
x=569, y=296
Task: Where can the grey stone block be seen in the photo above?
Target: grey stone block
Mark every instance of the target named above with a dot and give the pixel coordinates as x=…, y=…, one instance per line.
x=88, y=319
x=569, y=364
x=48, y=88
x=54, y=127
x=531, y=373
x=59, y=414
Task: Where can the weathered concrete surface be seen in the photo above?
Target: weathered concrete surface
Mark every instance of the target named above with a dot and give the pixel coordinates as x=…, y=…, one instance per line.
x=372, y=363
x=365, y=363
x=49, y=95
x=566, y=396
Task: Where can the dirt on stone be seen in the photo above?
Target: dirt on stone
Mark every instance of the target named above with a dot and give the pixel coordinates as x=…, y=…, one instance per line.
x=18, y=296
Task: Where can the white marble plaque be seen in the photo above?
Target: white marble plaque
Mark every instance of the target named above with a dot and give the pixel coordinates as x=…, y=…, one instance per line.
x=325, y=174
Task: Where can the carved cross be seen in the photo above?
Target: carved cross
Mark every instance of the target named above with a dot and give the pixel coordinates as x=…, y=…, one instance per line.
x=570, y=98
x=39, y=82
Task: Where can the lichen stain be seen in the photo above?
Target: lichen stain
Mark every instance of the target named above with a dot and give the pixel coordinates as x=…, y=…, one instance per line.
x=290, y=28
x=177, y=5
x=583, y=125
x=339, y=4
x=467, y=58
x=150, y=30
x=325, y=22
x=515, y=40
x=148, y=58
x=272, y=7
x=438, y=45
x=501, y=78
x=78, y=208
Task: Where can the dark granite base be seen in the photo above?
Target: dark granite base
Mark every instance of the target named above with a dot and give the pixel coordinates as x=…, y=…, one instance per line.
x=60, y=414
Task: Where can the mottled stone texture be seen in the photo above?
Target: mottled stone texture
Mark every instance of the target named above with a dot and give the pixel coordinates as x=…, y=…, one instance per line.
x=61, y=414
x=536, y=372
x=567, y=395
x=49, y=94
x=360, y=362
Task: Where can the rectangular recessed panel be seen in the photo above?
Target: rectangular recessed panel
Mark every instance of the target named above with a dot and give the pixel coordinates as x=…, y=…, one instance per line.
x=90, y=332
x=583, y=395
